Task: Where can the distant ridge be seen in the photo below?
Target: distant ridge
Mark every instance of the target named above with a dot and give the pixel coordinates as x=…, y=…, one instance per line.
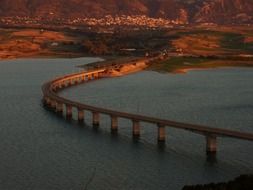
x=192, y=11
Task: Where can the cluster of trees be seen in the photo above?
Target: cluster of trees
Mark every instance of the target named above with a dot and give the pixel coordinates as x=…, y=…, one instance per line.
x=121, y=43
x=95, y=47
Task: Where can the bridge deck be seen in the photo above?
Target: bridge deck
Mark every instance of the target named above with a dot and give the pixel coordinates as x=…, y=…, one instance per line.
x=136, y=117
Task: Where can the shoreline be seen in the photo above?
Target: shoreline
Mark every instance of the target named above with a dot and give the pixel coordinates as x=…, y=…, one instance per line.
x=42, y=55
x=126, y=65
x=129, y=68
x=186, y=70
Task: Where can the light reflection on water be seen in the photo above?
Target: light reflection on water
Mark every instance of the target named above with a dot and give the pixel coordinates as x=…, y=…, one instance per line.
x=41, y=151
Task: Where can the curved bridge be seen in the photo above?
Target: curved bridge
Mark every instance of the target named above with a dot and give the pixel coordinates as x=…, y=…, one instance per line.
x=53, y=101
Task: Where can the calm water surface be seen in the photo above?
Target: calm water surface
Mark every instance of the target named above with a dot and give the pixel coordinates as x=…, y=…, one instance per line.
x=41, y=151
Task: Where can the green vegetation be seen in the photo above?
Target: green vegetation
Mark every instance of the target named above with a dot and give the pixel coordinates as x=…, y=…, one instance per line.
x=178, y=64
x=236, y=41
x=175, y=63
x=226, y=40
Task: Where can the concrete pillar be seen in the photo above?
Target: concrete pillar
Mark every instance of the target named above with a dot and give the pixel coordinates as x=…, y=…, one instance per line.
x=89, y=77
x=69, y=82
x=95, y=119
x=47, y=101
x=76, y=80
x=83, y=78
x=161, y=137
x=59, y=107
x=96, y=76
x=66, y=83
x=211, y=143
x=101, y=74
x=53, y=88
x=136, y=129
x=53, y=104
x=80, y=115
x=114, y=124
x=68, y=111
x=72, y=81
x=56, y=87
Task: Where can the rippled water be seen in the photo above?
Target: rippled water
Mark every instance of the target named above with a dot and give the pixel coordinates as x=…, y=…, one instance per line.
x=41, y=151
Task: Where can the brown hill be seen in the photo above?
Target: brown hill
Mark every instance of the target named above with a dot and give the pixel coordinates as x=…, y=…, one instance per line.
x=225, y=11
x=195, y=11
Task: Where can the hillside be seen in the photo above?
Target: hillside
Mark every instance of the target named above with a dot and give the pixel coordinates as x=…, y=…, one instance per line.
x=193, y=11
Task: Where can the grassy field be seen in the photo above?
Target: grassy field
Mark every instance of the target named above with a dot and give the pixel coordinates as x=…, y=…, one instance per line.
x=208, y=47
x=213, y=41
x=182, y=64
x=16, y=43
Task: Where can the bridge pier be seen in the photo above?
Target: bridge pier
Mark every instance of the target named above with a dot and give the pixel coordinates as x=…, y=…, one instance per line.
x=95, y=119
x=72, y=81
x=59, y=107
x=136, y=128
x=83, y=78
x=76, y=81
x=54, y=88
x=80, y=115
x=100, y=74
x=53, y=104
x=60, y=85
x=66, y=84
x=211, y=144
x=161, y=134
x=68, y=111
x=114, y=124
x=95, y=76
x=47, y=101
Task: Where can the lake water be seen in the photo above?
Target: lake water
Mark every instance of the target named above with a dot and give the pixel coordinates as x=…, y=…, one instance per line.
x=41, y=151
